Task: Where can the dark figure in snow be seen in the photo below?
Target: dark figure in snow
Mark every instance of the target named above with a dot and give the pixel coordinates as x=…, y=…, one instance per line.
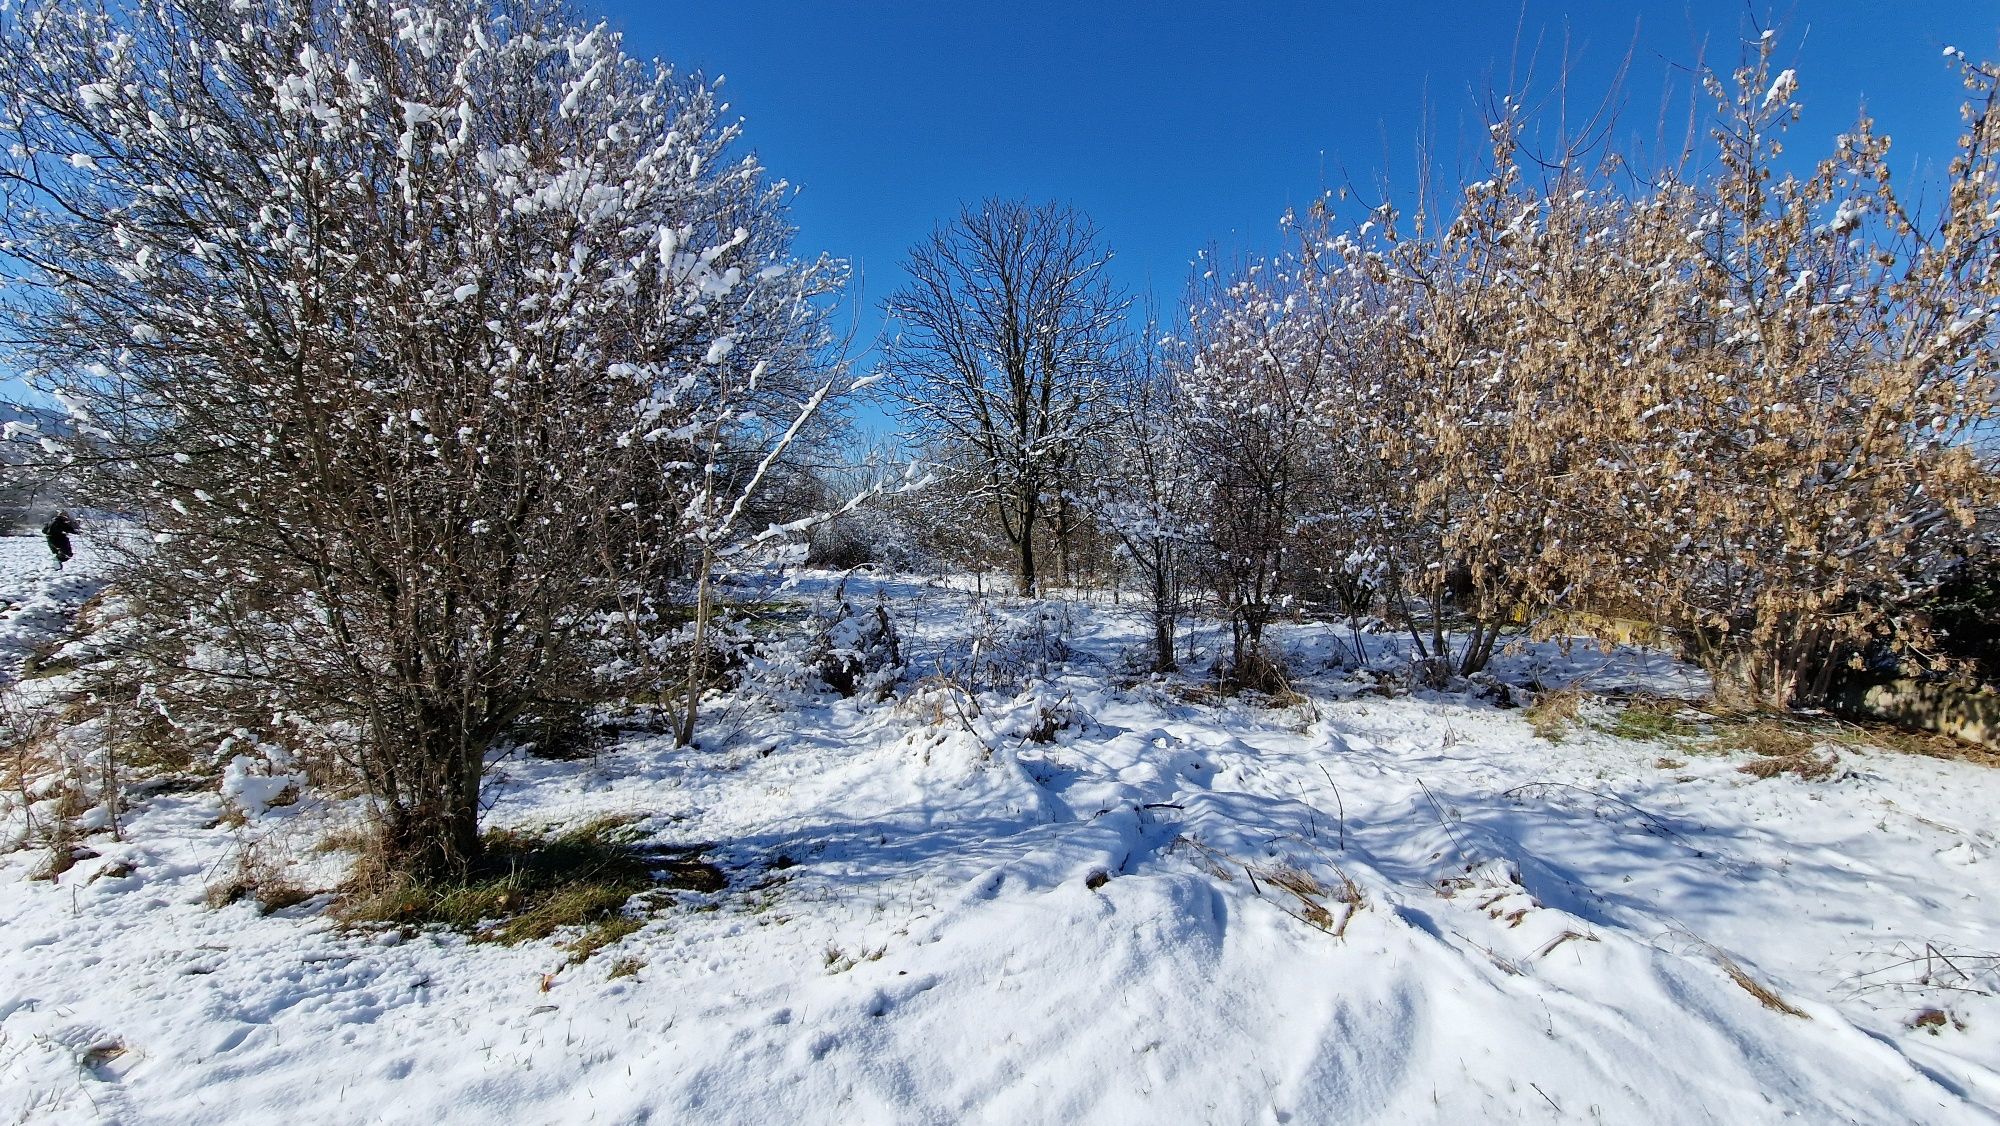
x=57, y=531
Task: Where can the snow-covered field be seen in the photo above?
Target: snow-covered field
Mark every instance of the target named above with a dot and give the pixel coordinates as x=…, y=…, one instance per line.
x=1363, y=908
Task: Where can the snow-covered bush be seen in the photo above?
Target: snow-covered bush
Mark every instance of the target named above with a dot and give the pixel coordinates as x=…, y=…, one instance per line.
x=857, y=652
x=1041, y=714
x=1753, y=407
x=876, y=536
x=416, y=336
x=1014, y=644
x=257, y=776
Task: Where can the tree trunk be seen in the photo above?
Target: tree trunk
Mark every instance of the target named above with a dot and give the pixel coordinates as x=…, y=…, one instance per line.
x=1750, y=678
x=1064, y=526
x=432, y=836
x=1163, y=622
x=697, y=670
x=1025, y=578
x=1478, y=647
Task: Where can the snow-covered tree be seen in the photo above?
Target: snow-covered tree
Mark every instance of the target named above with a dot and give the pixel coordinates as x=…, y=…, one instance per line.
x=1501, y=324
x=1257, y=373
x=412, y=332
x=1746, y=405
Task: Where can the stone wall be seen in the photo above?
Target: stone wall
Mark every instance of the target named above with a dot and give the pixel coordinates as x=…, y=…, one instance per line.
x=1964, y=713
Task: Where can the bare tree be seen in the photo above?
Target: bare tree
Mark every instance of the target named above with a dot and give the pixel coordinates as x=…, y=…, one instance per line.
x=1145, y=494
x=1008, y=333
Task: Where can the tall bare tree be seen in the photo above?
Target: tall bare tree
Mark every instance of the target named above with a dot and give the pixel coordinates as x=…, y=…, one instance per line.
x=1008, y=335
x=1146, y=490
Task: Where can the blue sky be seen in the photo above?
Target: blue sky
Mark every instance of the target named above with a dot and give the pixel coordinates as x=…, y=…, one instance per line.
x=1176, y=125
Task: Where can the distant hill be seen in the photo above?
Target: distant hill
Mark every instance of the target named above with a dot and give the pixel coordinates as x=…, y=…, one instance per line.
x=27, y=499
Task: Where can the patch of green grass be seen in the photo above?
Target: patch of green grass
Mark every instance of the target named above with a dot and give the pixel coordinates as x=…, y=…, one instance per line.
x=43, y=663
x=1651, y=720
x=530, y=886
x=605, y=932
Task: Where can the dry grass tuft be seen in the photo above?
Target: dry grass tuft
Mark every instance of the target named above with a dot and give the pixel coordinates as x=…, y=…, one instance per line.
x=1809, y=767
x=1768, y=737
x=1781, y=749
x=103, y=1052
x=1935, y=1020
x=1198, y=693
x=1294, y=880
x=260, y=877
x=1313, y=897
x=937, y=700
x=1260, y=673
x=1765, y=995
x=1925, y=743
x=1554, y=712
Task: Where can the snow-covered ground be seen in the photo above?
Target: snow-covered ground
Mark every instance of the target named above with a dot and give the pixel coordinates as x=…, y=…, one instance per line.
x=38, y=601
x=1360, y=908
